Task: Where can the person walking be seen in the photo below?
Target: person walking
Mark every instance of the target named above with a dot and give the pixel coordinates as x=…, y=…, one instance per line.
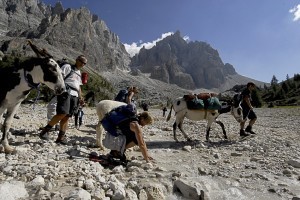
x=78, y=117
x=247, y=110
x=164, y=109
x=68, y=101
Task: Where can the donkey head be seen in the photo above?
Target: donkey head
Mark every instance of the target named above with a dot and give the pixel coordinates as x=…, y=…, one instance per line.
x=52, y=75
x=46, y=71
x=236, y=109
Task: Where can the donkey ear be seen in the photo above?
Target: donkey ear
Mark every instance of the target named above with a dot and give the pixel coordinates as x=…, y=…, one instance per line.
x=39, y=52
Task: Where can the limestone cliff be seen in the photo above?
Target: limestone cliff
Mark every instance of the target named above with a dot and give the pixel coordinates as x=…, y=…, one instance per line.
x=66, y=33
x=188, y=64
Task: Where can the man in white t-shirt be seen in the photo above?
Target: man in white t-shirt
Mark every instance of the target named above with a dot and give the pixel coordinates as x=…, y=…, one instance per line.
x=67, y=102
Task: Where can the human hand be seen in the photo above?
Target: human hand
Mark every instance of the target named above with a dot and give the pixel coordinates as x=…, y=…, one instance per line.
x=81, y=101
x=150, y=160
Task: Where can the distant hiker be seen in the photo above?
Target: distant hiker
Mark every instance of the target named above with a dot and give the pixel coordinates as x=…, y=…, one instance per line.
x=247, y=110
x=124, y=131
x=126, y=96
x=78, y=116
x=67, y=102
x=164, y=109
x=145, y=106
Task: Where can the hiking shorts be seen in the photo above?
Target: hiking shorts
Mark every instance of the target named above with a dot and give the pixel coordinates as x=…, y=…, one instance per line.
x=130, y=137
x=250, y=114
x=67, y=104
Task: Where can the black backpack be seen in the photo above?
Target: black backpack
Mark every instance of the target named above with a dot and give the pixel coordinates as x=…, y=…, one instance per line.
x=237, y=98
x=121, y=96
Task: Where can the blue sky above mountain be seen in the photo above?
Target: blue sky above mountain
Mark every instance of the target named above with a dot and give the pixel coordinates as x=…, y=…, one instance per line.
x=259, y=38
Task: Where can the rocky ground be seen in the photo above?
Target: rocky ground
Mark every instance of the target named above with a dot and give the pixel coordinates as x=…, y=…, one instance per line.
x=265, y=166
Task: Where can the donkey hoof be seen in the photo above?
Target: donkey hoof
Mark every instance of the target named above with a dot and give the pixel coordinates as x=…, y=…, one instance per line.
x=2, y=149
x=10, y=150
x=101, y=147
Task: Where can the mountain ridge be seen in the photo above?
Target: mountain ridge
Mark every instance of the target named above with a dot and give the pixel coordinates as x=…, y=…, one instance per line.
x=66, y=33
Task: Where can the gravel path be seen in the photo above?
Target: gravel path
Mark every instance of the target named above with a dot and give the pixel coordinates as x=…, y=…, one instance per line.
x=266, y=166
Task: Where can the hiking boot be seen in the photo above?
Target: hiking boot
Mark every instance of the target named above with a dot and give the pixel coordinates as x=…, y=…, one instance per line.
x=61, y=139
x=44, y=136
x=114, y=154
x=249, y=130
x=16, y=116
x=117, y=154
x=243, y=133
x=44, y=133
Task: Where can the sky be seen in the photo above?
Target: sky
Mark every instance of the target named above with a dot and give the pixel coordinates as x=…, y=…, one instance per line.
x=260, y=38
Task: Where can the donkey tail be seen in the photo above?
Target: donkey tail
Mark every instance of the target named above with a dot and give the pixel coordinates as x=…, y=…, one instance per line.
x=169, y=115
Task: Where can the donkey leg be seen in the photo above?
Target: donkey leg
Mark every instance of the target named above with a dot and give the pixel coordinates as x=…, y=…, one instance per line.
x=5, y=128
x=99, y=135
x=1, y=114
x=208, y=130
x=223, y=129
x=174, y=131
x=207, y=134
x=183, y=132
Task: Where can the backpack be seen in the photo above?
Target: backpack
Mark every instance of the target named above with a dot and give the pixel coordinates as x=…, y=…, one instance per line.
x=121, y=96
x=237, y=98
x=117, y=117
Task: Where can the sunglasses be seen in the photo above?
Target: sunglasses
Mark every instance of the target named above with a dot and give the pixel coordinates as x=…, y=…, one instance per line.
x=82, y=62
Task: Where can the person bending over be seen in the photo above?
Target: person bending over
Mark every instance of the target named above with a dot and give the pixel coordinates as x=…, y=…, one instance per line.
x=132, y=130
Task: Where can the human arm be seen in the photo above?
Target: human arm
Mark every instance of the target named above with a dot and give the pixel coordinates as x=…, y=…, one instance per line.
x=129, y=97
x=80, y=96
x=248, y=102
x=134, y=126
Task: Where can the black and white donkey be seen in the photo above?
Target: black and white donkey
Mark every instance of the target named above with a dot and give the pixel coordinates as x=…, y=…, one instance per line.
x=16, y=82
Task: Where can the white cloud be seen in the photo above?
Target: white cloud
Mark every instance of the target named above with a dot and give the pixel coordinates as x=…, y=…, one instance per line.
x=296, y=12
x=186, y=38
x=134, y=48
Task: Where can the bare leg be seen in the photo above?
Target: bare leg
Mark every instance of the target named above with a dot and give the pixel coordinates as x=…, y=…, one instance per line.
x=242, y=124
x=252, y=121
x=55, y=119
x=129, y=145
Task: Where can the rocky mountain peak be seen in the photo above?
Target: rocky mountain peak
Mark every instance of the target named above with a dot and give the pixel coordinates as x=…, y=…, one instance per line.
x=67, y=33
x=188, y=64
x=57, y=9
